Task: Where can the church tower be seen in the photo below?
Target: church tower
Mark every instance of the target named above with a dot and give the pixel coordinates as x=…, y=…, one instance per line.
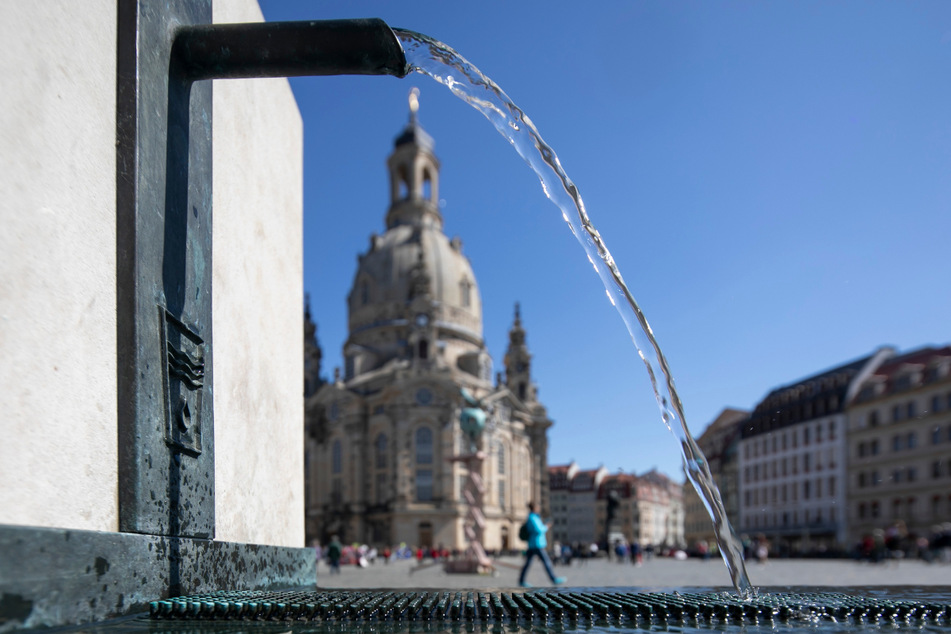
x=414, y=296
x=383, y=435
x=518, y=362
x=414, y=176
x=312, y=353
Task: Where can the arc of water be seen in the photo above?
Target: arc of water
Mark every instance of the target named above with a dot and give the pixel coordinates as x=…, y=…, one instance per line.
x=440, y=62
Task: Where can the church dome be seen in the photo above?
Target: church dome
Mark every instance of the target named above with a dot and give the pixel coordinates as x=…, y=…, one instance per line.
x=405, y=258
x=413, y=276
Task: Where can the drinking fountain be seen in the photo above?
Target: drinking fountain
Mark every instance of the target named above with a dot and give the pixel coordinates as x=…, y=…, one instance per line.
x=167, y=50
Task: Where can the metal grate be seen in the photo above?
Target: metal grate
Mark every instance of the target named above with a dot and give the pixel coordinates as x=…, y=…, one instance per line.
x=564, y=607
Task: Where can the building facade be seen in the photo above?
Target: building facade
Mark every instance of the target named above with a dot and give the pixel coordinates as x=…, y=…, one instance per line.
x=661, y=511
x=594, y=506
x=792, y=460
x=899, y=474
x=719, y=443
x=559, y=487
x=582, y=525
x=382, y=436
x=618, y=515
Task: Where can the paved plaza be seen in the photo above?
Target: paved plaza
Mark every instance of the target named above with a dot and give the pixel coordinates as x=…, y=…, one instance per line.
x=658, y=573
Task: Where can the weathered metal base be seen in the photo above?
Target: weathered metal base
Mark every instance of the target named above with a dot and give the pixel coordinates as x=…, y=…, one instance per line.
x=562, y=609
x=51, y=577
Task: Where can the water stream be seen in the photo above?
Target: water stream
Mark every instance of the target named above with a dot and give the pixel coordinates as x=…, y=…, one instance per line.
x=435, y=59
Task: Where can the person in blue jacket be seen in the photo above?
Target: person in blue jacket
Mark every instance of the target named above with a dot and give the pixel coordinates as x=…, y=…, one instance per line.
x=536, y=548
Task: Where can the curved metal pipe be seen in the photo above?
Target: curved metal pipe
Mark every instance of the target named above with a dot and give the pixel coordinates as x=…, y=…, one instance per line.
x=287, y=49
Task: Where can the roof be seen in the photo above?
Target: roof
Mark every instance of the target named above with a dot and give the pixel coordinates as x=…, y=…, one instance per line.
x=821, y=394
x=907, y=371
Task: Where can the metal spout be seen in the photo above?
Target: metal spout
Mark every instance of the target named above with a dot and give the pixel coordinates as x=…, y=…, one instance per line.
x=287, y=49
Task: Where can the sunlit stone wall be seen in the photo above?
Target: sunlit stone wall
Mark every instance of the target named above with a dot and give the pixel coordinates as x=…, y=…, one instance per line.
x=258, y=306
x=58, y=456
x=58, y=409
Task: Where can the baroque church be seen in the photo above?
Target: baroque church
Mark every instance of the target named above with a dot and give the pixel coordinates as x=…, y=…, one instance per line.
x=381, y=438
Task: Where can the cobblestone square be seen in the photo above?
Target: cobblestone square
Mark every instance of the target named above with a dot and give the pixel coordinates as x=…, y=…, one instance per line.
x=656, y=573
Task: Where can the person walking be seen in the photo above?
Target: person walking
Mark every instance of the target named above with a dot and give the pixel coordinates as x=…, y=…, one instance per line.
x=536, y=548
x=334, y=550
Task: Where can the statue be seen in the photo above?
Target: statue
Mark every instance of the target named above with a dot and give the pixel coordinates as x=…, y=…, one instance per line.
x=472, y=419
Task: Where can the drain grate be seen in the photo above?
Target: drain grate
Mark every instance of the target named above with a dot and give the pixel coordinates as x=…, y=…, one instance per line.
x=545, y=607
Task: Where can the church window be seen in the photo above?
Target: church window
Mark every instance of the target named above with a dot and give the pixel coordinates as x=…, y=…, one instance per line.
x=465, y=292
x=382, y=481
x=336, y=457
x=336, y=491
x=423, y=349
x=424, y=446
x=501, y=452
x=521, y=391
x=381, y=451
x=502, y=494
x=427, y=185
x=403, y=183
x=424, y=485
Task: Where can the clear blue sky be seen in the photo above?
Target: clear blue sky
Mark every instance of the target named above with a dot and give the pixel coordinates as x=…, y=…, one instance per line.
x=773, y=178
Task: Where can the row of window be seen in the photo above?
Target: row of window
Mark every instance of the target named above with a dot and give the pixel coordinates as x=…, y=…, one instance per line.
x=424, y=477
x=903, y=441
x=790, y=492
x=780, y=441
x=872, y=478
x=906, y=509
x=424, y=485
x=465, y=292
x=383, y=487
x=790, y=464
x=423, y=450
x=423, y=444
x=903, y=411
x=786, y=519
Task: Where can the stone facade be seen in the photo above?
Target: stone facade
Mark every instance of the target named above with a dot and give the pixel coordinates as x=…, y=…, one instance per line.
x=899, y=444
x=582, y=523
x=719, y=443
x=660, y=508
x=381, y=436
x=792, y=459
x=647, y=509
x=559, y=486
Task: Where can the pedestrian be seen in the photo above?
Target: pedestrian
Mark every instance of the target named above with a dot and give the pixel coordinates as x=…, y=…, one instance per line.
x=334, y=550
x=637, y=557
x=762, y=550
x=566, y=554
x=318, y=552
x=536, y=547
